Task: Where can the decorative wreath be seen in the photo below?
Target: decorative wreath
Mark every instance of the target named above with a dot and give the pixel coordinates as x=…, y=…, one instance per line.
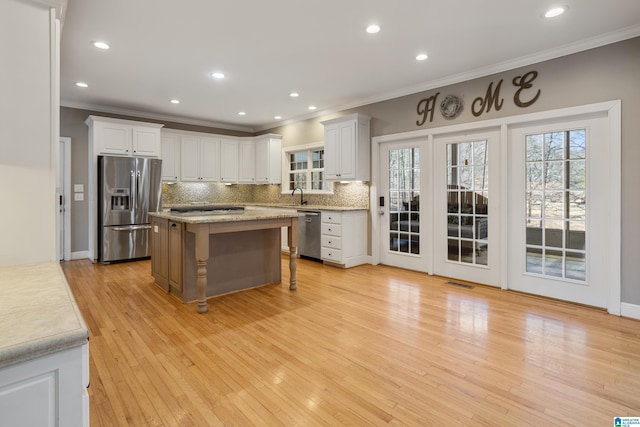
x=451, y=107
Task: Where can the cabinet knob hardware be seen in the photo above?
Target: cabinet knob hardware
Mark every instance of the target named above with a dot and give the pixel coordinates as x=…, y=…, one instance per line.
x=174, y=225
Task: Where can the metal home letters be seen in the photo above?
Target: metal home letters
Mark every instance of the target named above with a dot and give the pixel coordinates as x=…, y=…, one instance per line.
x=481, y=105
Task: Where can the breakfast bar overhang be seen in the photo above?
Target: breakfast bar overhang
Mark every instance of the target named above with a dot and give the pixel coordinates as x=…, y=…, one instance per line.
x=227, y=252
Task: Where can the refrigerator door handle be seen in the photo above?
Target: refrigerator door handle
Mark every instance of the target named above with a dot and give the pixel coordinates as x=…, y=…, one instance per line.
x=131, y=228
x=132, y=190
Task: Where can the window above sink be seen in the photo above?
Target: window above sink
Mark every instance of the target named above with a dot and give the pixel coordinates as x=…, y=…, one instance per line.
x=303, y=167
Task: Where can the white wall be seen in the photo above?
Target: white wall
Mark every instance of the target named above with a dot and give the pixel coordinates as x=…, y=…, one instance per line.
x=27, y=182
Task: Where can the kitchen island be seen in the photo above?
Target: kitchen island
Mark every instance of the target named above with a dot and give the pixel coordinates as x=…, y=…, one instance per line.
x=203, y=253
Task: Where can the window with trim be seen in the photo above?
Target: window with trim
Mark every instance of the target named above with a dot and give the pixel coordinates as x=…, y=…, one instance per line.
x=305, y=169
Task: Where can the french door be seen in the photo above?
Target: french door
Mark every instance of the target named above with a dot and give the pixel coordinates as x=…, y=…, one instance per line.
x=559, y=183
x=467, y=226
x=529, y=203
x=405, y=222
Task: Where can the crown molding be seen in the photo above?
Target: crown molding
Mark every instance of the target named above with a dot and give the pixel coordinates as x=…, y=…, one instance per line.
x=568, y=49
x=154, y=116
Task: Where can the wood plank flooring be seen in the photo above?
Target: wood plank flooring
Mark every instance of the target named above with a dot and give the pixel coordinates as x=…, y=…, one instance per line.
x=367, y=346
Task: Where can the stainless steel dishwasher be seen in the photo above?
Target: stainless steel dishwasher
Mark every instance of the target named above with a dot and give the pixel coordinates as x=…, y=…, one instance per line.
x=309, y=245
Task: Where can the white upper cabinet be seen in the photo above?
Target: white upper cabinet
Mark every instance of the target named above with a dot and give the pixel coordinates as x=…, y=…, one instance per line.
x=229, y=150
x=199, y=159
x=170, y=157
x=268, y=149
x=247, y=162
x=145, y=141
x=347, y=148
x=260, y=160
x=124, y=137
x=202, y=157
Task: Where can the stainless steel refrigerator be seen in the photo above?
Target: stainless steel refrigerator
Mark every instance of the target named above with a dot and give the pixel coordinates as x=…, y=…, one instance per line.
x=128, y=189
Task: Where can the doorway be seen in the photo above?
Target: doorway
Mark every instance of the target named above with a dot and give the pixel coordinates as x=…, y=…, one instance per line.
x=467, y=198
x=529, y=203
x=63, y=200
x=405, y=221
x=558, y=200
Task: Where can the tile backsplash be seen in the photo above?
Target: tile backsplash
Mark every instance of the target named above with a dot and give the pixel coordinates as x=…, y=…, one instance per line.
x=354, y=195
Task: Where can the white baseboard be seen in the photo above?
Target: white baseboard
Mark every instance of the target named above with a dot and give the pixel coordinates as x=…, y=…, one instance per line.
x=79, y=255
x=630, y=310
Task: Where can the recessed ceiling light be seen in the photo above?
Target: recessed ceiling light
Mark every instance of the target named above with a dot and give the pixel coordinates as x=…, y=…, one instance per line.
x=277, y=117
x=556, y=11
x=175, y=101
x=294, y=94
x=81, y=84
x=217, y=75
x=312, y=107
x=101, y=45
x=242, y=113
x=373, y=28
x=421, y=57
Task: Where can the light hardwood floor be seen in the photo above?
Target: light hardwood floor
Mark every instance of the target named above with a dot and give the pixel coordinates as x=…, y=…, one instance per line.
x=367, y=346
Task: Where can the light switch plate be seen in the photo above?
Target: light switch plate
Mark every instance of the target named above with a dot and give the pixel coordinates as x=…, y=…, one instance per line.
x=78, y=188
x=78, y=197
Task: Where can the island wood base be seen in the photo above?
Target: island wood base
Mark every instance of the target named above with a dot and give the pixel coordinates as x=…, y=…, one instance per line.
x=248, y=256
x=197, y=260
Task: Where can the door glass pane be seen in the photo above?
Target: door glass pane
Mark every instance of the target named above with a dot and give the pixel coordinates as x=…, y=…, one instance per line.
x=556, y=208
x=468, y=202
x=404, y=200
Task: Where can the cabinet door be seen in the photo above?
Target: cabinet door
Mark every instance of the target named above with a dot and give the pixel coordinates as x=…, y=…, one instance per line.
x=170, y=158
x=145, y=141
x=190, y=159
x=263, y=161
x=331, y=152
x=160, y=252
x=229, y=161
x=347, y=150
x=247, y=162
x=175, y=255
x=113, y=138
x=210, y=159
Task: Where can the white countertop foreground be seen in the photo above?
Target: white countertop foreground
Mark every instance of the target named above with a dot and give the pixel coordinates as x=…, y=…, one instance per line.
x=38, y=314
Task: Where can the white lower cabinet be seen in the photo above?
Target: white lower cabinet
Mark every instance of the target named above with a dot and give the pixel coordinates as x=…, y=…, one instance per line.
x=47, y=391
x=344, y=237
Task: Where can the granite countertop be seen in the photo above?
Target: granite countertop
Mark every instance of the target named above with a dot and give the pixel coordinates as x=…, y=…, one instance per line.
x=38, y=314
x=308, y=207
x=246, y=215
x=279, y=206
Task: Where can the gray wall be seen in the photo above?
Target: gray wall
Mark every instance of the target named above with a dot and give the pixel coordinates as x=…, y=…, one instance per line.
x=603, y=74
x=72, y=126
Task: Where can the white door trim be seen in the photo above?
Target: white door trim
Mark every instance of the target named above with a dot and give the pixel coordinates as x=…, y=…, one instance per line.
x=65, y=154
x=613, y=109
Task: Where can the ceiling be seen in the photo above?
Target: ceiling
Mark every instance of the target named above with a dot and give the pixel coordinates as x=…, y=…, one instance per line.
x=166, y=49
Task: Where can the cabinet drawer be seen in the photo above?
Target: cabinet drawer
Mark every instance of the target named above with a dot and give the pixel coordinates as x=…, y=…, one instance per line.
x=331, y=229
x=332, y=217
x=331, y=254
x=333, y=242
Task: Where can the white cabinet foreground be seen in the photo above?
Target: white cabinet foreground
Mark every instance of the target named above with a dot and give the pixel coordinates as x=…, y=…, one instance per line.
x=47, y=391
x=44, y=349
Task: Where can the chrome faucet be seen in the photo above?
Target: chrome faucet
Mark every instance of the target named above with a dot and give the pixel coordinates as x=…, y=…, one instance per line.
x=302, y=200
